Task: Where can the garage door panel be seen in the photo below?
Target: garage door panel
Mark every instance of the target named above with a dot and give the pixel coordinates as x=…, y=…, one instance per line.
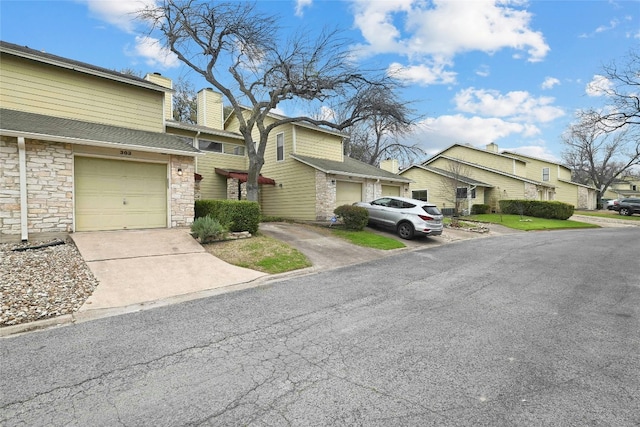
x=348, y=192
x=390, y=190
x=115, y=194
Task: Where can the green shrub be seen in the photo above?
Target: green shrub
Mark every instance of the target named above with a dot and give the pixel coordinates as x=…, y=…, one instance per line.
x=537, y=208
x=235, y=215
x=479, y=209
x=354, y=217
x=207, y=228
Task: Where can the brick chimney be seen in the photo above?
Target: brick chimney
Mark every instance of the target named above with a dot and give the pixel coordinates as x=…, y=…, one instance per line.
x=160, y=80
x=210, y=109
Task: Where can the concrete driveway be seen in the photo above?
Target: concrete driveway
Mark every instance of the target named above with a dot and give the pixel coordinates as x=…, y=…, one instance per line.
x=149, y=266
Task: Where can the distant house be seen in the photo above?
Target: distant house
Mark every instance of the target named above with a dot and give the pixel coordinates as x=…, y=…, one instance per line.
x=488, y=176
x=626, y=186
x=84, y=148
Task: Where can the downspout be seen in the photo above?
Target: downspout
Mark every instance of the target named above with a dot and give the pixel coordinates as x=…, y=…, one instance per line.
x=22, y=162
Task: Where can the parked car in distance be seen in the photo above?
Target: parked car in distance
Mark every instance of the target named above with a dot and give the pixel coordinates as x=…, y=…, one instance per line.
x=611, y=204
x=408, y=217
x=628, y=206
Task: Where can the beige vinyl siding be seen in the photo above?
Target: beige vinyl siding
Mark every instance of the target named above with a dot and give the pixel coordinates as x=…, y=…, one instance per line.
x=567, y=193
x=297, y=196
x=214, y=186
x=210, y=109
x=318, y=144
x=45, y=89
x=486, y=159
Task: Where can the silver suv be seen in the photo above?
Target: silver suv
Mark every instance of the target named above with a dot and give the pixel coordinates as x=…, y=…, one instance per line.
x=408, y=217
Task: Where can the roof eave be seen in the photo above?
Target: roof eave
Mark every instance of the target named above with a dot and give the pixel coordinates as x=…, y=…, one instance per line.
x=95, y=143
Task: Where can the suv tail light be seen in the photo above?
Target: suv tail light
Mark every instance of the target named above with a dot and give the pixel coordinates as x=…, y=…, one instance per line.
x=425, y=218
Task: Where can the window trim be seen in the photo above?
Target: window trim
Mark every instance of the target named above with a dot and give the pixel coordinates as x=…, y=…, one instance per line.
x=546, y=172
x=426, y=194
x=279, y=148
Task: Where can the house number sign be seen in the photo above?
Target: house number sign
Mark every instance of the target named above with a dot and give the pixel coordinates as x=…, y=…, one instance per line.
x=125, y=152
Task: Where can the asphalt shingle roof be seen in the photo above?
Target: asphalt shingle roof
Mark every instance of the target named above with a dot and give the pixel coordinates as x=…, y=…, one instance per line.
x=349, y=167
x=40, y=126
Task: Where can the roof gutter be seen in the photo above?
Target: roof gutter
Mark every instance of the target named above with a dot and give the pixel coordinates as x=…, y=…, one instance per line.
x=22, y=165
x=94, y=143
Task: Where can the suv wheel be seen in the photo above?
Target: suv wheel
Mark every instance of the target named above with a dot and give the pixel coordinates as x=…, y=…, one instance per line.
x=625, y=211
x=405, y=230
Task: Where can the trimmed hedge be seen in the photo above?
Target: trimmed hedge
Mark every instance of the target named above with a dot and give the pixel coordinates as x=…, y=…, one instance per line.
x=354, y=217
x=234, y=215
x=537, y=208
x=480, y=209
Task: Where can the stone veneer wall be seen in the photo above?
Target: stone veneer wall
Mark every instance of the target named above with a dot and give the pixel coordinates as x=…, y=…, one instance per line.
x=232, y=189
x=530, y=191
x=182, y=191
x=325, y=196
x=49, y=187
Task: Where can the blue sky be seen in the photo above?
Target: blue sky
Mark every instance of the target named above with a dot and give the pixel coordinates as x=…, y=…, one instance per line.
x=509, y=72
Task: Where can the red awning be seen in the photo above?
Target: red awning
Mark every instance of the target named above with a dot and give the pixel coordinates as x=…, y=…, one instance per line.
x=242, y=176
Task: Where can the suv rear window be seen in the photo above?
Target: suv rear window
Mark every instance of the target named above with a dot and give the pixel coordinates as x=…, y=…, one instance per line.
x=432, y=210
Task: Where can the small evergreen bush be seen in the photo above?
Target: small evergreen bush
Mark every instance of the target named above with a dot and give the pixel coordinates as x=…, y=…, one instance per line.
x=235, y=215
x=480, y=209
x=537, y=208
x=354, y=217
x=206, y=229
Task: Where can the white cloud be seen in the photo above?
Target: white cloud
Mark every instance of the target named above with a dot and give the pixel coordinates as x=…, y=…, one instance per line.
x=515, y=105
x=421, y=74
x=442, y=29
x=154, y=53
x=440, y=132
x=301, y=5
x=598, y=86
x=612, y=24
x=121, y=13
x=550, y=82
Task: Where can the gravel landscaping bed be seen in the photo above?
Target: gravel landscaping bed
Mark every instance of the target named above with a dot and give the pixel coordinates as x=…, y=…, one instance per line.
x=41, y=283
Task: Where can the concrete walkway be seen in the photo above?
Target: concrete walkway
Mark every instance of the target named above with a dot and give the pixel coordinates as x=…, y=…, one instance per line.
x=144, y=266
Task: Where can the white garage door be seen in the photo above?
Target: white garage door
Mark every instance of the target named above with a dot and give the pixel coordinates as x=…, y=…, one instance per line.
x=116, y=195
x=348, y=193
x=390, y=190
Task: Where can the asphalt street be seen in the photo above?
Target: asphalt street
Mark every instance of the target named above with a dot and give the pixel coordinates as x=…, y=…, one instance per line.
x=530, y=329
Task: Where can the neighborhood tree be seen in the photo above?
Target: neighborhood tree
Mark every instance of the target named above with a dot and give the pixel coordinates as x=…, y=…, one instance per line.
x=240, y=51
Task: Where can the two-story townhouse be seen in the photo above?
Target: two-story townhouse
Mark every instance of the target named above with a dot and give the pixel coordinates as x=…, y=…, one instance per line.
x=486, y=176
x=84, y=148
x=623, y=187
x=311, y=175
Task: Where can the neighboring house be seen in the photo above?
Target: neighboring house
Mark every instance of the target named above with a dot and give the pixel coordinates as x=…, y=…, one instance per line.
x=305, y=175
x=627, y=186
x=84, y=148
x=488, y=176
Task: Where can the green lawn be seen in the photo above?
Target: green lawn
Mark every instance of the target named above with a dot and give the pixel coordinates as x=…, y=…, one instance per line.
x=368, y=239
x=529, y=223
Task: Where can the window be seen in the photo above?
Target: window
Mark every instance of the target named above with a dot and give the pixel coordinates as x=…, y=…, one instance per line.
x=280, y=147
x=545, y=174
x=238, y=150
x=461, y=193
x=419, y=195
x=205, y=145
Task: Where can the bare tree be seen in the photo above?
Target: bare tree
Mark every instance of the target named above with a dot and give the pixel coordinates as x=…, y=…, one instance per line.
x=239, y=51
x=621, y=86
x=597, y=156
x=185, y=102
x=379, y=136
x=454, y=185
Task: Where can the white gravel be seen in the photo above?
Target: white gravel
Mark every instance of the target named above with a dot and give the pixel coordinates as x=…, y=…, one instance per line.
x=41, y=283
